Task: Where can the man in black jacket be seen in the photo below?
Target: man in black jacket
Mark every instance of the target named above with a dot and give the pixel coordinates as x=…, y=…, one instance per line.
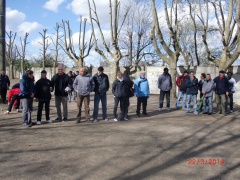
x=130, y=83
x=62, y=84
x=101, y=87
x=43, y=96
x=200, y=85
x=4, y=85
x=120, y=91
x=221, y=91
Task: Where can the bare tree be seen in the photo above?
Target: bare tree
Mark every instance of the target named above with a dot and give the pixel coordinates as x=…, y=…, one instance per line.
x=2, y=34
x=10, y=52
x=116, y=24
x=229, y=29
x=55, y=42
x=45, y=44
x=169, y=51
x=136, y=28
x=22, y=53
x=83, y=46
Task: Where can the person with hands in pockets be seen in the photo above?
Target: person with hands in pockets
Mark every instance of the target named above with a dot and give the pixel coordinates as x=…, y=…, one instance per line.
x=141, y=88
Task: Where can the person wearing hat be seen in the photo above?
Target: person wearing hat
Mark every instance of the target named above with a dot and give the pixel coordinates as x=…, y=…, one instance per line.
x=43, y=96
x=221, y=91
x=182, y=87
x=101, y=87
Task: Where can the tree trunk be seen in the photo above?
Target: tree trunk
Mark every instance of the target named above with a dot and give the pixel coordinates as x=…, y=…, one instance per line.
x=115, y=69
x=22, y=66
x=11, y=71
x=54, y=67
x=2, y=35
x=173, y=72
x=80, y=63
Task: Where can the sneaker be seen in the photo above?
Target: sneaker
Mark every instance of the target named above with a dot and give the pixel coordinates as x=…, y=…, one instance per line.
x=58, y=119
x=195, y=112
x=160, y=109
x=115, y=119
x=168, y=109
x=39, y=122
x=49, y=121
x=209, y=113
x=64, y=119
x=231, y=111
x=187, y=112
x=138, y=115
x=78, y=121
x=106, y=119
x=125, y=118
x=95, y=120
x=145, y=114
x=7, y=112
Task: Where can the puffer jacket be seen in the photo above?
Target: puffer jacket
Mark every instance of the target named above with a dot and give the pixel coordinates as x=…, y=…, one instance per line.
x=101, y=83
x=120, y=88
x=26, y=86
x=84, y=85
x=141, y=87
x=192, y=86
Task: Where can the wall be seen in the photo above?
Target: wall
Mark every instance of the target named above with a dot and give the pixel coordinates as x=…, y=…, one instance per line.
x=152, y=74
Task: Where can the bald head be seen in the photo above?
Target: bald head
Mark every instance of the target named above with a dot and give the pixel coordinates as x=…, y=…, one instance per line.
x=60, y=70
x=83, y=71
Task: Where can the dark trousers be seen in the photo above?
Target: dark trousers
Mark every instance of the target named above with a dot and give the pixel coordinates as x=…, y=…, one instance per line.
x=161, y=98
x=123, y=105
x=97, y=98
x=127, y=104
x=27, y=110
x=40, y=108
x=3, y=94
x=14, y=98
x=143, y=101
x=230, y=100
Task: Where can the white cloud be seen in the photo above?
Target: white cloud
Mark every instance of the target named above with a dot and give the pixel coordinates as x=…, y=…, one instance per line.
x=28, y=27
x=53, y=5
x=13, y=18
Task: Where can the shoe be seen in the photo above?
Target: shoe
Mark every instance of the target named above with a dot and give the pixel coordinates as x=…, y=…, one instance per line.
x=125, y=118
x=209, y=113
x=219, y=112
x=231, y=111
x=145, y=114
x=115, y=119
x=160, y=109
x=195, y=112
x=138, y=115
x=39, y=122
x=58, y=119
x=7, y=112
x=17, y=110
x=78, y=121
x=49, y=121
x=26, y=125
x=95, y=120
x=176, y=108
x=205, y=113
x=64, y=119
x=106, y=119
x=168, y=109
x=187, y=112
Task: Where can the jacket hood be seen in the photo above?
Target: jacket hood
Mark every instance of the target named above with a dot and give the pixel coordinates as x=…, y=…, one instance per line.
x=87, y=75
x=24, y=76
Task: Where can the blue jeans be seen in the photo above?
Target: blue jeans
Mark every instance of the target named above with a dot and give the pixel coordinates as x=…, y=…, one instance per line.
x=97, y=98
x=208, y=105
x=190, y=97
x=181, y=94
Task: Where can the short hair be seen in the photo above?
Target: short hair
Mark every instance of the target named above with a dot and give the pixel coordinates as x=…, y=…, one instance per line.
x=29, y=72
x=77, y=71
x=204, y=75
x=208, y=74
x=119, y=72
x=230, y=73
x=70, y=71
x=165, y=69
x=191, y=72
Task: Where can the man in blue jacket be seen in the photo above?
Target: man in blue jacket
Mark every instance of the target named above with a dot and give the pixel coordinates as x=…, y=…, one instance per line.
x=165, y=85
x=221, y=91
x=27, y=94
x=192, y=91
x=141, y=88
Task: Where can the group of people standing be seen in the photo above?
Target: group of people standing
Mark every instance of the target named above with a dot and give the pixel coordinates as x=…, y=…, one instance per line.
x=81, y=84
x=189, y=86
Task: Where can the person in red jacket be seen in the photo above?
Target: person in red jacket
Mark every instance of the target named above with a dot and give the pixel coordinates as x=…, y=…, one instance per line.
x=182, y=89
x=13, y=100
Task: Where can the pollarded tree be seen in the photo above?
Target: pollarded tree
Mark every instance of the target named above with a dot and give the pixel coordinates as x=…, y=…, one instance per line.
x=11, y=52
x=169, y=48
x=45, y=44
x=67, y=45
x=228, y=20
x=112, y=48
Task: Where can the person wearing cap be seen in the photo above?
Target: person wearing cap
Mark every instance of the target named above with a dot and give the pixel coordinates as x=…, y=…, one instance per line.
x=221, y=91
x=232, y=89
x=101, y=87
x=181, y=83
x=43, y=96
x=83, y=85
x=165, y=85
x=26, y=94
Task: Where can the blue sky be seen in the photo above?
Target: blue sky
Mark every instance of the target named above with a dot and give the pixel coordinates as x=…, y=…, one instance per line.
x=34, y=15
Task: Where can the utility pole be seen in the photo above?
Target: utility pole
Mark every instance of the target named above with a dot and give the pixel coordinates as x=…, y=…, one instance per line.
x=2, y=34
